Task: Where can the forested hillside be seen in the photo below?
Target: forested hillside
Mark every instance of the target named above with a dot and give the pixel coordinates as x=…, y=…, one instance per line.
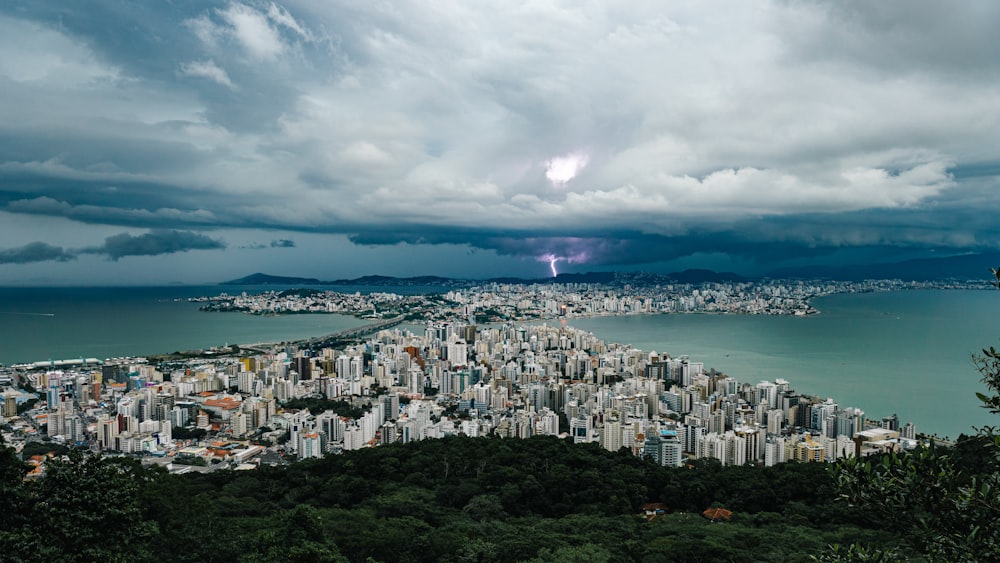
x=454, y=499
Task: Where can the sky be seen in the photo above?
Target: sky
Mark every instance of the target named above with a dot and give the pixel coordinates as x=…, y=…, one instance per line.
x=186, y=141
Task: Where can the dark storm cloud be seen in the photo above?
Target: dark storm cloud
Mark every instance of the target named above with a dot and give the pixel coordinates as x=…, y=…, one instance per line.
x=153, y=243
x=764, y=240
x=772, y=134
x=277, y=243
x=609, y=249
x=115, y=247
x=34, y=252
x=111, y=214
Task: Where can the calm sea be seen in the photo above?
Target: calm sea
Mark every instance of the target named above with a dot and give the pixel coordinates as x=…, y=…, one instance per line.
x=906, y=353
x=62, y=323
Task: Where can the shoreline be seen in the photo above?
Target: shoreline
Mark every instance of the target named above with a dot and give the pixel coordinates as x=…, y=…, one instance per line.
x=757, y=351
x=521, y=303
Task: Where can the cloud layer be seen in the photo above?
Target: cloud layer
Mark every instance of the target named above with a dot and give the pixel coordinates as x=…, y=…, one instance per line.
x=597, y=134
x=34, y=252
x=153, y=243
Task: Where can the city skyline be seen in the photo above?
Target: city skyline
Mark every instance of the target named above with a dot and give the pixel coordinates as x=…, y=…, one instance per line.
x=197, y=142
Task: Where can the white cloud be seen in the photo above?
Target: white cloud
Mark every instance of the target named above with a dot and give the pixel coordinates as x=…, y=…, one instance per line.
x=204, y=29
x=207, y=69
x=461, y=114
x=49, y=59
x=281, y=16
x=364, y=153
x=254, y=32
x=561, y=169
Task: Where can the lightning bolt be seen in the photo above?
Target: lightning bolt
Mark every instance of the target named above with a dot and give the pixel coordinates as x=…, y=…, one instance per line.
x=552, y=266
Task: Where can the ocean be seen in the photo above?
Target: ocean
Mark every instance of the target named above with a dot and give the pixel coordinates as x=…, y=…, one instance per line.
x=65, y=323
x=906, y=352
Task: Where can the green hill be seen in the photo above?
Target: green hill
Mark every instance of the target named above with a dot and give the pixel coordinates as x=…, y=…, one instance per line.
x=452, y=499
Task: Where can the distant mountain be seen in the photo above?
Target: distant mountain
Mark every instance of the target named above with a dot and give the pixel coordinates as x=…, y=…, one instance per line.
x=699, y=276
x=633, y=278
x=589, y=277
x=390, y=280
x=266, y=279
x=965, y=267
x=509, y=279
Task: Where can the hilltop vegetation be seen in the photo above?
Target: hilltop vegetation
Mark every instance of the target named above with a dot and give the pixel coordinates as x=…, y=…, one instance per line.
x=453, y=499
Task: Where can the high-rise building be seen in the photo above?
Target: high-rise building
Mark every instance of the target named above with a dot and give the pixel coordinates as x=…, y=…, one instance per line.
x=353, y=438
x=774, y=450
x=809, y=450
x=240, y=424
x=107, y=433
x=310, y=446
x=651, y=448
x=9, y=403
x=303, y=366
x=611, y=435
x=891, y=422
x=245, y=381
x=179, y=417
x=580, y=427
x=775, y=420
x=690, y=435
x=670, y=449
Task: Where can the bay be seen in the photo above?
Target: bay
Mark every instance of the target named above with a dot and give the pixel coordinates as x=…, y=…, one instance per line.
x=39, y=324
x=905, y=352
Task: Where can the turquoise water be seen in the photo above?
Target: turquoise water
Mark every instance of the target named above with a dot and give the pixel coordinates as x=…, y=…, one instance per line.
x=906, y=352
x=63, y=323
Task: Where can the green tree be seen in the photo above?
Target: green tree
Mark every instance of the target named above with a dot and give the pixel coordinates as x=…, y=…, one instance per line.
x=484, y=507
x=855, y=552
x=27, y=405
x=586, y=553
x=298, y=537
x=83, y=509
x=12, y=494
x=43, y=448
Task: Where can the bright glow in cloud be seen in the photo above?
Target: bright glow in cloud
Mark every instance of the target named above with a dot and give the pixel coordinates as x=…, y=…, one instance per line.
x=733, y=129
x=551, y=259
x=561, y=169
x=572, y=251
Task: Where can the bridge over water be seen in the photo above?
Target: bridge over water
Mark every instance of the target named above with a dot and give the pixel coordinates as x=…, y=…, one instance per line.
x=330, y=339
x=355, y=332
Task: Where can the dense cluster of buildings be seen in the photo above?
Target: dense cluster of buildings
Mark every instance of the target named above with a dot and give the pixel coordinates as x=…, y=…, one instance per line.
x=374, y=304
x=500, y=302
x=511, y=381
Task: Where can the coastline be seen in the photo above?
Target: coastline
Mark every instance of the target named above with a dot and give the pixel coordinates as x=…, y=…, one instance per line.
x=842, y=352
x=431, y=307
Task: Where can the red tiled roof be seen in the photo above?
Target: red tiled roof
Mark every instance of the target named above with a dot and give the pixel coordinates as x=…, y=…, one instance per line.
x=227, y=403
x=715, y=514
